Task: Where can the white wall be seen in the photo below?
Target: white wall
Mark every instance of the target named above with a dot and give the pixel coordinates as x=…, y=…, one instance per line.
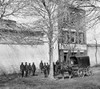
x=91, y=54
x=93, y=33
x=13, y=55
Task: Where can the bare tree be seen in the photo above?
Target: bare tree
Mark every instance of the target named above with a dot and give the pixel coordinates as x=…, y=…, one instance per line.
x=46, y=12
x=11, y=7
x=96, y=44
x=48, y=16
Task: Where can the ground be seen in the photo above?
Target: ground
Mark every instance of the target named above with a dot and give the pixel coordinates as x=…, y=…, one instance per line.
x=39, y=82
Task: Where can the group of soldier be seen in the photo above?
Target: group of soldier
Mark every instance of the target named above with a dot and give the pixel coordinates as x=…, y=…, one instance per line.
x=27, y=69
x=45, y=68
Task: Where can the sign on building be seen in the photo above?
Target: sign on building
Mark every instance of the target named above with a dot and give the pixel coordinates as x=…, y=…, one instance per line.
x=73, y=46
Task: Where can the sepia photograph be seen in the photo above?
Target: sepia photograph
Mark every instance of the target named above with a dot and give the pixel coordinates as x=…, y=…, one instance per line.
x=49, y=44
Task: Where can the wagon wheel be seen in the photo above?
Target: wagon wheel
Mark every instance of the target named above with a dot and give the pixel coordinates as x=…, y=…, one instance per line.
x=88, y=71
x=80, y=73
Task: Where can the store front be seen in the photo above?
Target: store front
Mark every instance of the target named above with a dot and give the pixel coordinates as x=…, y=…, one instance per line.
x=65, y=51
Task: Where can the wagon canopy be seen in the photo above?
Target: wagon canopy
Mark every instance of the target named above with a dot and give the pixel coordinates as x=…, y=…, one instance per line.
x=83, y=61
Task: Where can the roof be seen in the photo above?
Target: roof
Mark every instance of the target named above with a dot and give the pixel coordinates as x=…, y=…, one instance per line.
x=11, y=32
x=23, y=32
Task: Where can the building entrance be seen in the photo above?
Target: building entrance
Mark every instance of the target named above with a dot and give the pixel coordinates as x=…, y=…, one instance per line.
x=65, y=57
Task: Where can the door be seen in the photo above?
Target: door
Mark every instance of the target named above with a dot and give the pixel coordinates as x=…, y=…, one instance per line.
x=65, y=57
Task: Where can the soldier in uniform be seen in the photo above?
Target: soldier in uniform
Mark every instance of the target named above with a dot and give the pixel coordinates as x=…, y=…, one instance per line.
x=22, y=69
x=29, y=68
x=57, y=66
x=26, y=69
x=33, y=69
x=62, y=70
x=45, y=70
x=41, y=66
x=48, y=68
x=70, y=71
x=54, y=66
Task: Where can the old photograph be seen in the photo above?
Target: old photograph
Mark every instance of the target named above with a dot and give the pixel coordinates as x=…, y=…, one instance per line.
x=49, y=44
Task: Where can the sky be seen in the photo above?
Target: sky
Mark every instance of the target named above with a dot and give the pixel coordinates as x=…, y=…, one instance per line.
x=23, y=20
x=93, y=33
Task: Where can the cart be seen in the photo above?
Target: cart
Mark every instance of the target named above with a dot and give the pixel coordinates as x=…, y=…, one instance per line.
x=78, y=66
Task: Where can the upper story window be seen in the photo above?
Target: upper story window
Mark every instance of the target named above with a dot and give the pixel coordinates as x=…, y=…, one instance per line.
x=73, y=37
x=81, y=38
x=68, y=37
x=65, y=36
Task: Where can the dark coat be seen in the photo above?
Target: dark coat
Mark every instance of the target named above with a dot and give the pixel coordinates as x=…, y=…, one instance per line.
x=41, y=65
x=33, y=67
x=22, y=67
x=26, y=67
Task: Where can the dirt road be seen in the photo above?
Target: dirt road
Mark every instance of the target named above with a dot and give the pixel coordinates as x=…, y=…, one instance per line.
x=39, y=82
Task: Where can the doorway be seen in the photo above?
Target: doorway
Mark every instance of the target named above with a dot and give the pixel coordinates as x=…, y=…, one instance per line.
x=65, y=57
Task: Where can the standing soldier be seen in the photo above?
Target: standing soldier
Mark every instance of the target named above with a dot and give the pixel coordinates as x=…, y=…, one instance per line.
x=26, y=69
x=54, y=67
x=41, y=66
x=45, y=70
x=62, y=70
x=33, y=69
x=57, y=66
x=29, y=68
x=70, y=71
x=48, y=68
x=22, y=69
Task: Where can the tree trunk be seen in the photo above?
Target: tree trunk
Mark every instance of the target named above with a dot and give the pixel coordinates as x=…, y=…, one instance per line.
x=51, y=60
x=50, y=38
x=96, y=50
x=96, y=55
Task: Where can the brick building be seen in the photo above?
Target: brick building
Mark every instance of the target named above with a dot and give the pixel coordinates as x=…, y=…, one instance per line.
x=72, y=40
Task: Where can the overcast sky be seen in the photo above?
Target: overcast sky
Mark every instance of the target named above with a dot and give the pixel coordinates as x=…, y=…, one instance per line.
x=93, y=33
x=23, y=20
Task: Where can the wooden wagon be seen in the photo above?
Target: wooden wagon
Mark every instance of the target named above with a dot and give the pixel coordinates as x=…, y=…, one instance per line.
x=78, y=66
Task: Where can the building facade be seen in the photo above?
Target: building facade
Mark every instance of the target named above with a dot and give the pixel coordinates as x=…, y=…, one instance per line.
x=69, y=46
x=17, y=45
x=72, y=40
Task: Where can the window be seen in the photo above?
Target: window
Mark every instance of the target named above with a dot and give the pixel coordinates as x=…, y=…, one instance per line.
x=65, y=37
x=68, y=37
x=81, y=38
x=73, y=37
